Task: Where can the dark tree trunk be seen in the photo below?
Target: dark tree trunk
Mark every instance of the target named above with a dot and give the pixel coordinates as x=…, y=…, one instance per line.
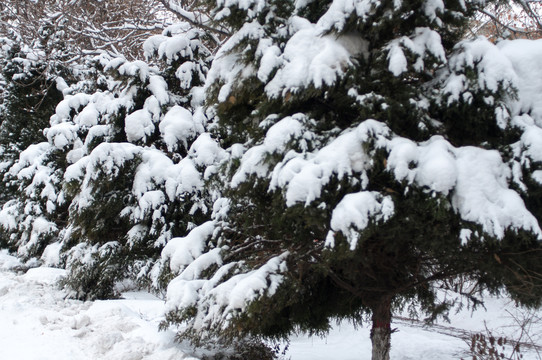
x=381, y=331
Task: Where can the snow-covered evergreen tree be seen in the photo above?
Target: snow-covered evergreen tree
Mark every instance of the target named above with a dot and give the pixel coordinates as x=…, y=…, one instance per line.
x=101, y=180
x=134, y=178
x=359, y=156
x=371, y=156
x=35, y=77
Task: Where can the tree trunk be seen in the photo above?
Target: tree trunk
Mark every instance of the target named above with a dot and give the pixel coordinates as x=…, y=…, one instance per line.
x=381, y=331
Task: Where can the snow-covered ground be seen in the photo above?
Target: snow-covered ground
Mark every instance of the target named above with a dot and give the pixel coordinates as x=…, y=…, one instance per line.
x=38, y=322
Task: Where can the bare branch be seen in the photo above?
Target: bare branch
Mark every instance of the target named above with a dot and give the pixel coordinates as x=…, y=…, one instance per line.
x=191, y=18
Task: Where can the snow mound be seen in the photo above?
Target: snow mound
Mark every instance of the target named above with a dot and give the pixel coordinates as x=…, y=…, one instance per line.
x=39, y=322
x=8, y=262
x=44, y=275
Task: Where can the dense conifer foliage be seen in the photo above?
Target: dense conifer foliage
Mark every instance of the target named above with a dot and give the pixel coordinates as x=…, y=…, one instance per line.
x=372, y=156
x=34, y=80
x=105, y=173
x=133, y=184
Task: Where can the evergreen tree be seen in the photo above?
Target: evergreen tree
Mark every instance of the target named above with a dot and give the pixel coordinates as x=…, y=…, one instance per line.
x=133, y=180
x=35, y=77
x=372, y=157
x=30, y=94
x=100, y=181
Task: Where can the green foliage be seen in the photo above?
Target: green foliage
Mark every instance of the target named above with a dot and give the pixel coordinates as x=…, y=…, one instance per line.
x=100, y=222
x=29, y=99
x=397, y=260
x=29, y=95
x=95, y=275
x=107, y=203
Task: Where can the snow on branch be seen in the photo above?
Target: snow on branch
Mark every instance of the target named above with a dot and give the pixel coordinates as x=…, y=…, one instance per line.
x=198, y=18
